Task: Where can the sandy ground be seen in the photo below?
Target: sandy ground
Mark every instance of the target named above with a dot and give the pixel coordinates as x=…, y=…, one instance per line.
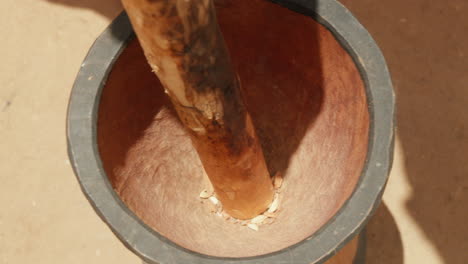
x=46, y=219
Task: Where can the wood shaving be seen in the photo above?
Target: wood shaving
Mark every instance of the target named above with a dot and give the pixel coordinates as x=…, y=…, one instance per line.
x=205, y=194
x=253, y=226
x=274, y=205
x=278, y=180
x=214, y=200
x=267, y=217
x=212, y=207
x=219, y=208
x=271, y=215
x=258, y=219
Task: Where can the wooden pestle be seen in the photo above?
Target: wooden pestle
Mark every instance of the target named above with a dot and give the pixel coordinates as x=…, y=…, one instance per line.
x=184, y=47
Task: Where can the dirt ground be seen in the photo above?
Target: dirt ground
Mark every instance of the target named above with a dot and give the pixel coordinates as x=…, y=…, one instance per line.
x=46, y=219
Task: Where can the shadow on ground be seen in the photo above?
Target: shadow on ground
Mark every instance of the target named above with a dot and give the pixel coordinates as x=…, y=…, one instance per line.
x=383, y=245
x=425, y=44
x=107, y=8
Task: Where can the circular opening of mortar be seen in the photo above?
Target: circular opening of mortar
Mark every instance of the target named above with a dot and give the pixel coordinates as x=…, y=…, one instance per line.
x=309, y=107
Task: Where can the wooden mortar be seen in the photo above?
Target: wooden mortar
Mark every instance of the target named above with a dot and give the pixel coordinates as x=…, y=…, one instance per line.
x=309, y=101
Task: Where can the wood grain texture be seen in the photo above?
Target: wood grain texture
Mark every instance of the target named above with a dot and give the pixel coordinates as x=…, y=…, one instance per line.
x=307, y=101
x=184, y=47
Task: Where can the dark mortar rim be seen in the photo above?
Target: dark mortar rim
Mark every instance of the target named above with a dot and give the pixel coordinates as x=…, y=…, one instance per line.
x=154, y=248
